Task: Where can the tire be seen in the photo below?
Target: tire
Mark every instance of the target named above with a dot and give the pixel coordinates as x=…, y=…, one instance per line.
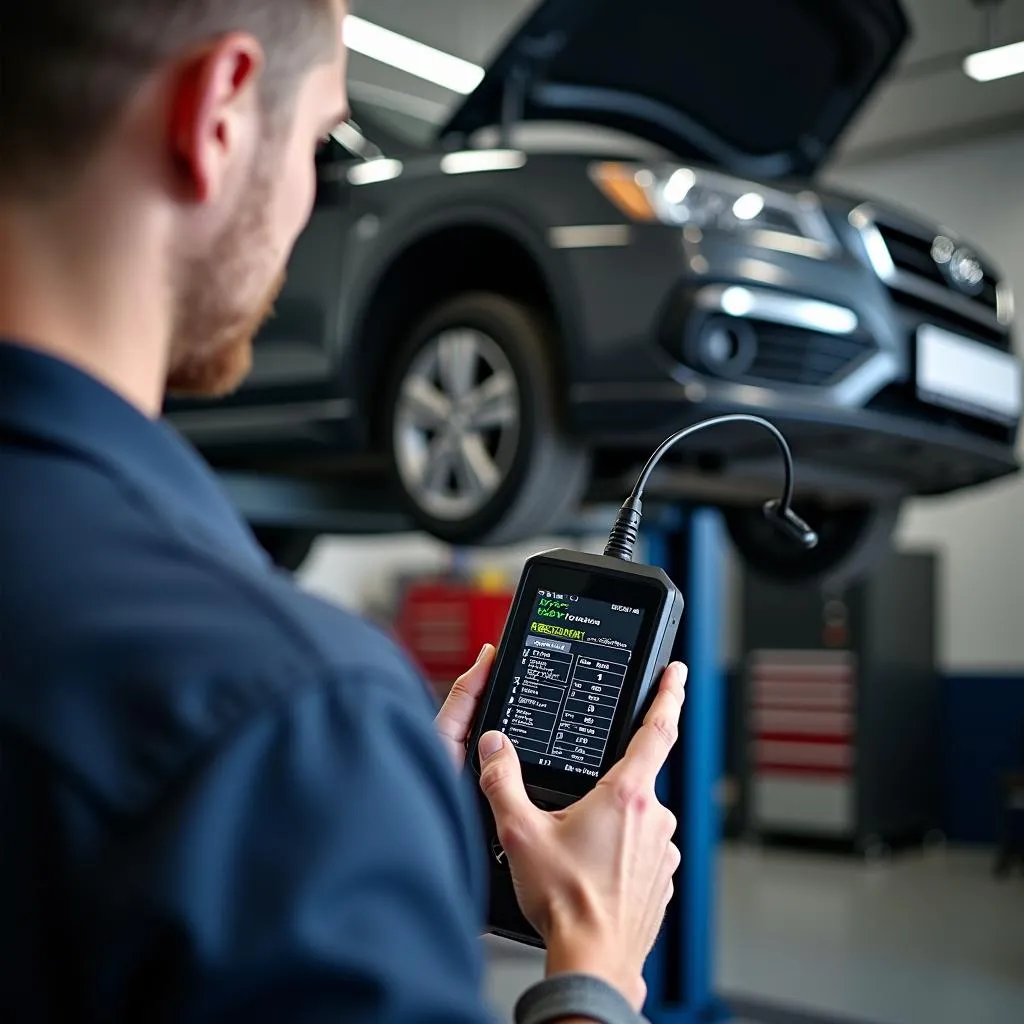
x=534, y=474
x=287, y=546
x=850, y=541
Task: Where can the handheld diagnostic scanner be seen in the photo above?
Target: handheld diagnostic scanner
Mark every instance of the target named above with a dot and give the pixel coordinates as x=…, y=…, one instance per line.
x=584, y=646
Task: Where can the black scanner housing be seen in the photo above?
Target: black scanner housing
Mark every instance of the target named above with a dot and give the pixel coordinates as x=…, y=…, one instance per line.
x=548, y=788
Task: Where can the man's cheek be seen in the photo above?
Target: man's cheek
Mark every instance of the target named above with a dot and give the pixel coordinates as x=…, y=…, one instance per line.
x=301, y=199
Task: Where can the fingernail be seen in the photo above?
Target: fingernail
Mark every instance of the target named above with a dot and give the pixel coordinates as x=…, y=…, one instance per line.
x=483, y=651
x=490, y=744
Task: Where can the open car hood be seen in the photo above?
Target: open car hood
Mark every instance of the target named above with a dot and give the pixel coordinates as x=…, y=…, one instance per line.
x=758, y=87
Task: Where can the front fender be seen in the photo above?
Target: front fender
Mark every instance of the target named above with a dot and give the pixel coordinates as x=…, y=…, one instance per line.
x=397, y=235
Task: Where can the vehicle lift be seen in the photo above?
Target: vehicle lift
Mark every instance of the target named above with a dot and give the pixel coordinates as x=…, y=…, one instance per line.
x=690, y=547
x=688, y=543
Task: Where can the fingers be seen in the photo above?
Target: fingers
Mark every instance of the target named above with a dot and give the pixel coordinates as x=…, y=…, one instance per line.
x=501, y=779
x=669, y=823
x=667, y=876
x=673, y=858
x=649, y=748
x=667, y=893
x=663, y=878
x=662, y=891
x=455, y=718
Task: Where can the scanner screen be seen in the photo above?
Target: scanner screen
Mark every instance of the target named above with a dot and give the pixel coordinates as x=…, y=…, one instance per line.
x=568, y=679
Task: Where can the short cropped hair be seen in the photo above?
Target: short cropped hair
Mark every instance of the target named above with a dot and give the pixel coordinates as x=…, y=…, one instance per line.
x=69, y=67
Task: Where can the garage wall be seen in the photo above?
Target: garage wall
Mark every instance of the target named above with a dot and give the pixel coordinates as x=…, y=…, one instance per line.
x=978, y=190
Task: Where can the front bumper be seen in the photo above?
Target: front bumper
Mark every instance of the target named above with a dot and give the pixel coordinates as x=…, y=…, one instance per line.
x=823, y=348
x=841, y=452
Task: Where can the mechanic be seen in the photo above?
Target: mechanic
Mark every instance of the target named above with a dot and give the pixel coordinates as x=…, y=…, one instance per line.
x=221, y=799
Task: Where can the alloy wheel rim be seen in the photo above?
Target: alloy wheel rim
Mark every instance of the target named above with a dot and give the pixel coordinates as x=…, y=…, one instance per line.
x=458, y=419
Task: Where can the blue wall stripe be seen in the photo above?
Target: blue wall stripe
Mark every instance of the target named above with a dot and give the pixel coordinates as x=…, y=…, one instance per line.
x=983, y=738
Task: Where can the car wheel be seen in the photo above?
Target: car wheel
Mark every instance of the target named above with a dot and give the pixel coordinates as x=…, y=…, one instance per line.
x=475, y=427
x=850, y=541
x=287, y=546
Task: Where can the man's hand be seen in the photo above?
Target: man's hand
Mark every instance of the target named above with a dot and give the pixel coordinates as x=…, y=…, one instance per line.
x=594, y=879
x=455, y=718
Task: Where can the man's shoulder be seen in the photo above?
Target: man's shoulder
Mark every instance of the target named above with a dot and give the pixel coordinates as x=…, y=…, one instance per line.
x=256, y=643
x=328, y=639
x=111, y=576
x=135, y=660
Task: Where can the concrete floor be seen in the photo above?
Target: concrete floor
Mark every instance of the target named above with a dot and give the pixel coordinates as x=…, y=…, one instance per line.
x=922, y=939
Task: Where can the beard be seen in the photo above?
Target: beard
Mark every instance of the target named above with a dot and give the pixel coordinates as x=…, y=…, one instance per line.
x=221, y=305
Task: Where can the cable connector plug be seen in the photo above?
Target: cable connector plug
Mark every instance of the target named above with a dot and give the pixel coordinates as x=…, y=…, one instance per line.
x=791, y=524
x=623, y=535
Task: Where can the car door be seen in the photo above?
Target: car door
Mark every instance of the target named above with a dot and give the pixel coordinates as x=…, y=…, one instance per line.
x=295, y=346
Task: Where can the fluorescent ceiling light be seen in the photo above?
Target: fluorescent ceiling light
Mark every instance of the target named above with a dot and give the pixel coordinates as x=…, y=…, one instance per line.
x=1001, y=62
x=407, y=55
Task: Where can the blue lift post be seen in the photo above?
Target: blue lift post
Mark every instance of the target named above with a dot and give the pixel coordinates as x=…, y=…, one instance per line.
x=680, y=972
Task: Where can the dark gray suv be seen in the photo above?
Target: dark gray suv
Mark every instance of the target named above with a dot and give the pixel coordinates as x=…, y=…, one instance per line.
x=616, y=235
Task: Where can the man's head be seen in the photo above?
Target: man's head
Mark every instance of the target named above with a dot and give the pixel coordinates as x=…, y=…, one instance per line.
x=210, y=109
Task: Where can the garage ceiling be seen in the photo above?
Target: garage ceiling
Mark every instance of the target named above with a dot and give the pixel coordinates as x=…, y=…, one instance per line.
x=927, y=102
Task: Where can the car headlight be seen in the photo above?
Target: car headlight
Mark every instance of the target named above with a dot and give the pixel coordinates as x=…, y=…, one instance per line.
x=672, y=194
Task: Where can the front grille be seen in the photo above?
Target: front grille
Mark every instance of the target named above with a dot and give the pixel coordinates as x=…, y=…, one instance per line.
x=790, y=355
x=915, y=312
x=901, y=252
x=912, y=253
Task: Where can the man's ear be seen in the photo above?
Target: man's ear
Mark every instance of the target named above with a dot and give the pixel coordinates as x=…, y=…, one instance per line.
x=214, y=113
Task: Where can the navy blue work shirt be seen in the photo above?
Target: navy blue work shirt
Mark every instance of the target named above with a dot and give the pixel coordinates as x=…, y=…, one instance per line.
x=220, y=798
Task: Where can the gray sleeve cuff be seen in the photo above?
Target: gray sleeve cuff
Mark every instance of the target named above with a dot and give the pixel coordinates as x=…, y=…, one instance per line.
x=574, y=995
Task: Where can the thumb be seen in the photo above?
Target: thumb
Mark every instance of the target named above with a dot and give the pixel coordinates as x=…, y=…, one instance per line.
x=501, y=778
